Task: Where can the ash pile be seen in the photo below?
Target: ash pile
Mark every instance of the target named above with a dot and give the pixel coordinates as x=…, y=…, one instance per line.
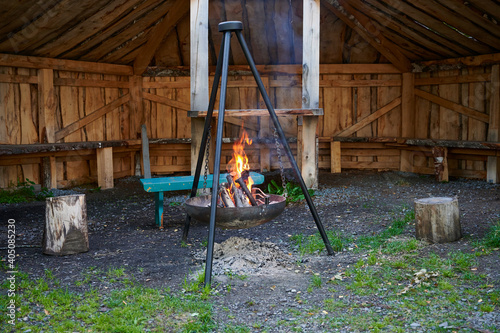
x=242, y=256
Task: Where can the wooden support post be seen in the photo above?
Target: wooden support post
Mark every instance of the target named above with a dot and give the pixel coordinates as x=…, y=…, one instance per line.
x=65, y=225
x=47, y=118
x=310, y=92
x=335, y=156
x=105, y=167
x=199, y=73
x=145, y=152
x=437, y=219
x=407, y=118
x=493, y=164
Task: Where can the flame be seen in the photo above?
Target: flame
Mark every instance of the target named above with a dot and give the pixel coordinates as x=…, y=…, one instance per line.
x=239, y=161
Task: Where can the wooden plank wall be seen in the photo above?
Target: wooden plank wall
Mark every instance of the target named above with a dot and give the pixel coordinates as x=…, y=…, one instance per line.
x=362, y=102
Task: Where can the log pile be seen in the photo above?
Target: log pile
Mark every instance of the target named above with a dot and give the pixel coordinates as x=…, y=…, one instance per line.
x=236, y=192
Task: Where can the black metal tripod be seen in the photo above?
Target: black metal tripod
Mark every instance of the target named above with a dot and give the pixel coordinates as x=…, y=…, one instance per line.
x=221, y=73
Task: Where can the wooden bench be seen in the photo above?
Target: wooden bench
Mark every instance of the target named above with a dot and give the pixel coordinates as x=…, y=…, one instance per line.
x=163, y=184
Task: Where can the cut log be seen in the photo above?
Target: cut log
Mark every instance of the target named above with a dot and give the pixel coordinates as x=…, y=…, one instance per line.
x=65, y=225
x=437, y=219
x=224, y=195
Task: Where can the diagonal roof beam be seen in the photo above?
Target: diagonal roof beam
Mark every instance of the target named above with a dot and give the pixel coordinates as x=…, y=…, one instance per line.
x=369, y=31
x=178, y=10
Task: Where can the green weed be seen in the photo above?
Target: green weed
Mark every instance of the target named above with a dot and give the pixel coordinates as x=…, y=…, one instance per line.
x=294, y=191
x=24, y=192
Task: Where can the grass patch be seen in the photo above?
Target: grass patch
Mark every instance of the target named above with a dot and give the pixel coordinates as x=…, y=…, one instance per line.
x=127, y=308
x=491, y=240
x=430, y=294
x=314, y=243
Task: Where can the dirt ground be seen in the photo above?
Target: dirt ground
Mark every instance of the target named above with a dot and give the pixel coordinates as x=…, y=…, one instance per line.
x=122, y=234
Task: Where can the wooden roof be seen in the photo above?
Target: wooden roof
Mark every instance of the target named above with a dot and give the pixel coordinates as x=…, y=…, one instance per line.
x=156, y=32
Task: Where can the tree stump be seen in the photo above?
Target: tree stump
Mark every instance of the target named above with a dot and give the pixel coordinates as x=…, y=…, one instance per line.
x=437, y=219
x=65, y=225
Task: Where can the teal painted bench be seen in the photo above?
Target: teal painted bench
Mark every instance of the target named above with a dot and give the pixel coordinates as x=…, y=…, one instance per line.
x=163, y=184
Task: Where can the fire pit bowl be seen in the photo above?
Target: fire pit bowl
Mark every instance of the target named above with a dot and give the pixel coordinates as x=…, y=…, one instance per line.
x=235, y=217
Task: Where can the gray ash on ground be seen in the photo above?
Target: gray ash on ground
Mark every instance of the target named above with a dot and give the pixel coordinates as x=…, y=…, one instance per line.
x=242, y=256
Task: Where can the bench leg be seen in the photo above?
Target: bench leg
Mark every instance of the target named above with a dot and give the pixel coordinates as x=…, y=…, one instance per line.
x=159, y=209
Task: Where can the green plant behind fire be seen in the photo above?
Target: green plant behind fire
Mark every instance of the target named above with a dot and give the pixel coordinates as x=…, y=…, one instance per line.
x=294, y=191
x=23, y=192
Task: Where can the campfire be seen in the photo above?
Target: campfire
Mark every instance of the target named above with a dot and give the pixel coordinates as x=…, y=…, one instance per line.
x=237, y=192
x=239, y=204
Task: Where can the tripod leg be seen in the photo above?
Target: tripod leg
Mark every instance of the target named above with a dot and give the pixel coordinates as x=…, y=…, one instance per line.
x=218, y=150
x=203, y=145
x=282, y=137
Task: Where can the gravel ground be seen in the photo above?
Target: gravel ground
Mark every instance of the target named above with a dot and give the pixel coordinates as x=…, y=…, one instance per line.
x=122, y=234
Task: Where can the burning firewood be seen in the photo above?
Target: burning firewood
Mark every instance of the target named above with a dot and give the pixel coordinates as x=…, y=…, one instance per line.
x=224, y=195
x=239, y=197
x=245, y=189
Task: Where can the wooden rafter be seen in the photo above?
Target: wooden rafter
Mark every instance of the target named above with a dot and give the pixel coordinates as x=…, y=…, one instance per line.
x=144, y=15
x=178, y=10
x=458, y=20
x=411, y=29
x=415, y=45
x=85, y=29
x=54, y=19
x=436, y=26
x=370, y=32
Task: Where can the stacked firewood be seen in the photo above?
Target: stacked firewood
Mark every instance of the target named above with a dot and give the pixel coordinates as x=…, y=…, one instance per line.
x=235, y=192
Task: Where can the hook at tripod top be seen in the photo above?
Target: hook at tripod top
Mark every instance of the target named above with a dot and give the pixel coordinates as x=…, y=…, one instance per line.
x=230, y=25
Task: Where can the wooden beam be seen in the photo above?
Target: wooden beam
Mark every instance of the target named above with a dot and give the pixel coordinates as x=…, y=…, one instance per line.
x=166, y=101
x=479, y=60
x=368, y=119
x=11, y=78
x=46, y=123
x=493, y=164
x=310, y=92
x=146, y=162
x=453, y=106
x=426, y=81
x=105, y=167
x=91, y=117
x=69, y=82
x=359, y=83
x=261, y=112
x=198, y=72
x=371, y=33
x=10, y=60
x=178, y=10
x=47, y=105
x=335, y=157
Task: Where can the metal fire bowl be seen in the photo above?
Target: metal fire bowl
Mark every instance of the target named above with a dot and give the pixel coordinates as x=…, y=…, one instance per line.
x=237, y=217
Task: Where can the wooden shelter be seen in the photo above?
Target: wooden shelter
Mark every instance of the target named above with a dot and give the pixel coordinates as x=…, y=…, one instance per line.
x=411, y=85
